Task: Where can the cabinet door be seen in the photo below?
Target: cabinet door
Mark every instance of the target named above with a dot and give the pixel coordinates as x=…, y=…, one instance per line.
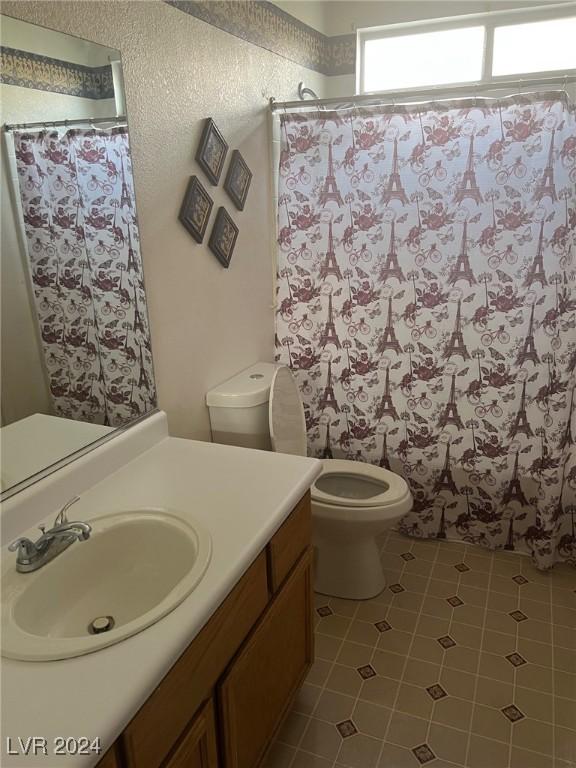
x=110, y=759
x=197, y=749
x=262, y=680
x=289, y=542
x=160, y=722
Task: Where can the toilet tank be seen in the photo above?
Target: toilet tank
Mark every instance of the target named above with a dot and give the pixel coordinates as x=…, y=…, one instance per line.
x=239, y=408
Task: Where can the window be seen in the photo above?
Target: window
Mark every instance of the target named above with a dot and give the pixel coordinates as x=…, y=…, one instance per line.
x=536, y=47
x=410, y=61
x=479, y=48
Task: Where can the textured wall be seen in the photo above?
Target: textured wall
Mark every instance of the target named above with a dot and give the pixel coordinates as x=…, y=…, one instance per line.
x=207, y=322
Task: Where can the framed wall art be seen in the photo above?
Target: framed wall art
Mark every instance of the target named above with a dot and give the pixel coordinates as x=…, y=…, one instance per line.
x=223, y=237
x=212, y=151
x=238, y=180
x=196, y=209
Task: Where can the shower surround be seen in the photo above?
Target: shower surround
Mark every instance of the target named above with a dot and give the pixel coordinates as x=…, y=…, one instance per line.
x=426, y=306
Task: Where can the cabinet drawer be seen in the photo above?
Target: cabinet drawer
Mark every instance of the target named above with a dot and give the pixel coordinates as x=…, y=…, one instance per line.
x=289, y=542
x=197, y=748
x=159, y=723
x=261, y=682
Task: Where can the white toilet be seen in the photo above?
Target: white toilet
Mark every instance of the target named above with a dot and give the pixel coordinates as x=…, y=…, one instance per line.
x=352, y=502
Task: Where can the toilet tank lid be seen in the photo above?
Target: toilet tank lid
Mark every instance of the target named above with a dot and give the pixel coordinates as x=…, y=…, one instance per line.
x=246, y=389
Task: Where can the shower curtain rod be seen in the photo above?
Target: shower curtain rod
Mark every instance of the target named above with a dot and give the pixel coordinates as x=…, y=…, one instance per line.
x=55, y=123
x=390, y=97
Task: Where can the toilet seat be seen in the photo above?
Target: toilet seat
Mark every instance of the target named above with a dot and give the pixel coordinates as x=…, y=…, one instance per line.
x=343, y=484
x=384, y=487
x=286, y=417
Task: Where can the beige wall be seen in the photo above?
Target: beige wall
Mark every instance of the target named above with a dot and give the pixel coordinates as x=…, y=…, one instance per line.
x=343, y=17
x=312, y=13
x=207, y=322
x=44, y=42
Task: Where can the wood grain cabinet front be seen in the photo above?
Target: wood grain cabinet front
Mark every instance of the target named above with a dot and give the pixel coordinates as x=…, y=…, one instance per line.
x=288, y=543
x=197, y=748
x=156, y=727
x=250, y=658
x=262, y=680
x=110, y=759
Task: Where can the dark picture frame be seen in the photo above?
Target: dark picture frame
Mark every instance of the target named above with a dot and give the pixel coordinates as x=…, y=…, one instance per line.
x=238, y=180
x=212, y=151
x=196, y=209
x=223, y=237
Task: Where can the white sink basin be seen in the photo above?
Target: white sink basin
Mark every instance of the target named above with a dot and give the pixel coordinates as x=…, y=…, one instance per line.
x=135, y=568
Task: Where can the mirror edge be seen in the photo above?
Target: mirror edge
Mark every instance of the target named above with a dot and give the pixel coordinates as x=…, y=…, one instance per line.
x=71, y=457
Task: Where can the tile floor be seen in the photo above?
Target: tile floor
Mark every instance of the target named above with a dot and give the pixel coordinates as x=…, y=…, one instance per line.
x=468, y=658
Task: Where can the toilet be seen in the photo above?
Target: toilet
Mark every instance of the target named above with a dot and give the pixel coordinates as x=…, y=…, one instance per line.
x=352, y=502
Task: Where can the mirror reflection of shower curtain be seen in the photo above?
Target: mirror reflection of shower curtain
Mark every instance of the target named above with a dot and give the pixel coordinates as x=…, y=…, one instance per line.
x=427, y=307
x=82, y=238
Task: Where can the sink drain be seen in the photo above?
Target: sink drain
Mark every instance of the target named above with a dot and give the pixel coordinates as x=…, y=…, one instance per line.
x=101, y=624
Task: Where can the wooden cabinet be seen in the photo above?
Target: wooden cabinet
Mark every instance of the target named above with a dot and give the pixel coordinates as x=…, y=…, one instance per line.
x=159, y=723
x=250, y=658
x=110, y=759
x=262, y=680
x=197, y=748
x=289, y=542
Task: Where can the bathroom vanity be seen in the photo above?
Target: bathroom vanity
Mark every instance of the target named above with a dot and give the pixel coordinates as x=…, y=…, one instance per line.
x=229, y=690
x=208, y=684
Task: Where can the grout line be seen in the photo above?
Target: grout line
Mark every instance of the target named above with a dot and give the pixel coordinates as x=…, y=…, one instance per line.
x=553, y=660
x=399, y=574
x=477, y=676
x=393, y=707
x=515, y=675
x=518, y=590
x=323, y=686
x=444, y=652
x=374, y=648
x=458, y=621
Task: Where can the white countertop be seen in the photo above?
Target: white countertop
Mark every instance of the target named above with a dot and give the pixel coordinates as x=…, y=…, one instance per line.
x=242, y=496
x=34, y=443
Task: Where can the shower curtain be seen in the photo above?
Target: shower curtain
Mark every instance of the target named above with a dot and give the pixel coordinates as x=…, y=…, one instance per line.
x=427, y=307
x=77, y=197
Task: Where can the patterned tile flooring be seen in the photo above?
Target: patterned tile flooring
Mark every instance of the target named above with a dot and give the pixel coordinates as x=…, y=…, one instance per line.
x=468, y=658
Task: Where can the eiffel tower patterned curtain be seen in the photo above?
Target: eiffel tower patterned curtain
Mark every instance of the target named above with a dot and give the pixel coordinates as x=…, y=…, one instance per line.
x=427, y=307
x=83, y=247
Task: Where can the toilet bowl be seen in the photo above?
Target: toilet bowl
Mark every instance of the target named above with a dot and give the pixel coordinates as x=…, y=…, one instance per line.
x=352, y=502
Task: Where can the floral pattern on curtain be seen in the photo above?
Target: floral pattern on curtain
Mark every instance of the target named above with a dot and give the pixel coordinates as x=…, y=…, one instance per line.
x=427, y=307
x=79, y=211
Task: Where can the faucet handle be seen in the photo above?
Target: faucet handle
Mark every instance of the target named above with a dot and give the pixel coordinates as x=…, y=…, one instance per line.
x=61, y=517
x=24, y=547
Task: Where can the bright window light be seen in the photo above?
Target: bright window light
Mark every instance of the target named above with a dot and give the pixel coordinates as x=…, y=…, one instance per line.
x=429, y=58
x=540, y=46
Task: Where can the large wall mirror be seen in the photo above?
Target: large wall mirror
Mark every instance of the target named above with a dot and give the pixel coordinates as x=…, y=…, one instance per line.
x=76, y=355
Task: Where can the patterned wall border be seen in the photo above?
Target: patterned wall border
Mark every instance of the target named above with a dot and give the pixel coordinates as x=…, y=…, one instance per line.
x=29, y=70
x=264, y=24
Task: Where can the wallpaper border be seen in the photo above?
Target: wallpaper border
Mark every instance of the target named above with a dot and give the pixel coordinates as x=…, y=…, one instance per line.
x=263, y=24
x=43, y=73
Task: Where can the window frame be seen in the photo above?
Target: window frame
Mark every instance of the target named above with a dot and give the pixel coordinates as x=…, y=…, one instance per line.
x=489, y=21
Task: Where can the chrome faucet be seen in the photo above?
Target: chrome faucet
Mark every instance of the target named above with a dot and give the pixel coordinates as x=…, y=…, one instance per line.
x=34, y=554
